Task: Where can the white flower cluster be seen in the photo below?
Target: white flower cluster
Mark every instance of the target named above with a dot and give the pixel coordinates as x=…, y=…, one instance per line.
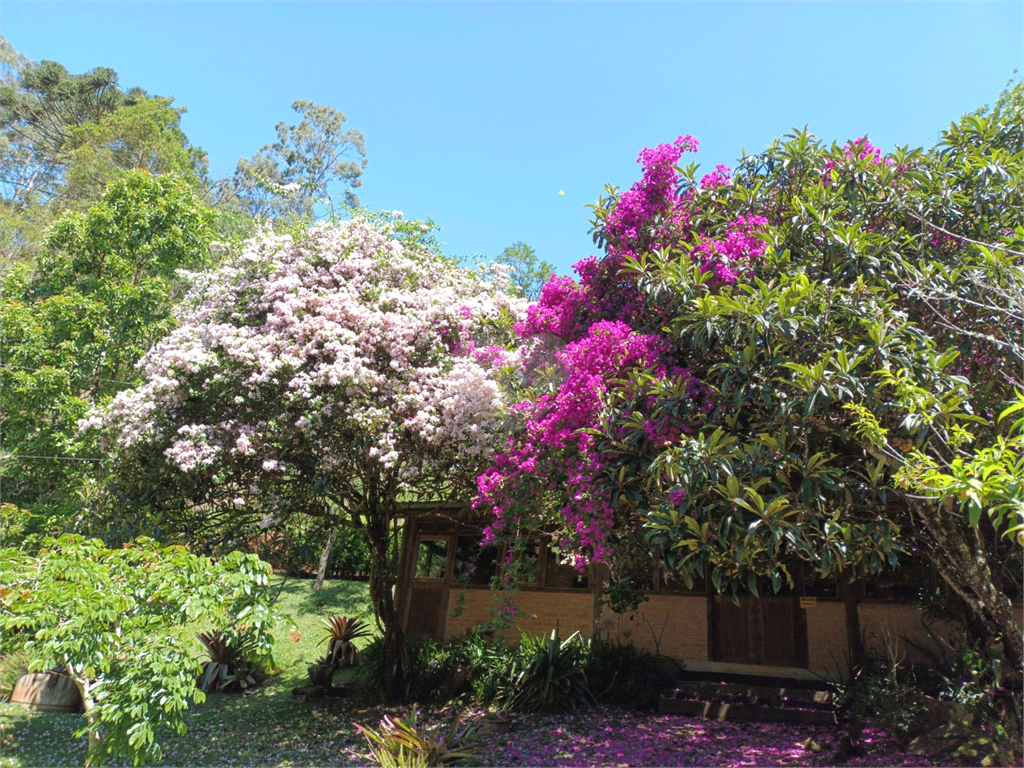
x=347, y=342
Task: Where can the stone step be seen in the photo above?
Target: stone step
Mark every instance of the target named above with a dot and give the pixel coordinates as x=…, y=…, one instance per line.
x=746, y=712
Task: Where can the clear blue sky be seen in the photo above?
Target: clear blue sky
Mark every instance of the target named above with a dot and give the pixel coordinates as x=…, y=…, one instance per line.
x=479, y=114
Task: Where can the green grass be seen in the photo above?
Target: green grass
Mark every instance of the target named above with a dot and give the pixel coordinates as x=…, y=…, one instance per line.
x=263, y=727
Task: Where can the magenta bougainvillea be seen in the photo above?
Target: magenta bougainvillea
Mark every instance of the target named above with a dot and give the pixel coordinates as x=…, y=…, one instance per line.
x=598, y=321
x=553, y=446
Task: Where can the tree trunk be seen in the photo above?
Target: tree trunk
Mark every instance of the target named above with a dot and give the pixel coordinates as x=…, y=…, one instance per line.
x=325, y=556
x=397, y=661
x=90, y=711
x=958, y=554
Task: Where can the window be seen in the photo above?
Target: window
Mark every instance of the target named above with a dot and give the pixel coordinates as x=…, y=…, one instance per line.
x=672, y=582
x=634, y=563
x=522, y=561
x=816, y=585
x=563, y=575
x=474, y=565
x=904, y=584
x=431, y=558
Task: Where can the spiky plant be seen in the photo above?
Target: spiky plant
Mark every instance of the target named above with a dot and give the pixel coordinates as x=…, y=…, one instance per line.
x=553, y=676
x=231, y=664
x=341, y=632
x=398, y=743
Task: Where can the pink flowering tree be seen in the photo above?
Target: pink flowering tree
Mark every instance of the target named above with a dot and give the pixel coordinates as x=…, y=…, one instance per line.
x=339, y=374
x=749, y=380
x=592, y=334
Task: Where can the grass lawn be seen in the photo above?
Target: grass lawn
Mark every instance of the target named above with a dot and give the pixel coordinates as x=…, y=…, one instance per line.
x=267, y=728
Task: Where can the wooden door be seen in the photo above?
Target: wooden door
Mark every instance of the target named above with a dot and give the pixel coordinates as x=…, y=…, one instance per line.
x=760, y=630
x=427, y=604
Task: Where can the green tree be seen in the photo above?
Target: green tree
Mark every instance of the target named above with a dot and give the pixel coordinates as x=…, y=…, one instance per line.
x=839, y=384
x=828, y=359
x=119, y=623
x=144, y=136
x=39, y=113
x=527, y=273
x=337, y=376
x=73, y=332
x=64, y=137
x=314, y=162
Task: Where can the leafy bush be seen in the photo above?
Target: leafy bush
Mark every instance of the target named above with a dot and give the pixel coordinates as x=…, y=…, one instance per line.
x=537, y=675
x=885, y=692
x=986, y=725
x=552, y=676
x=442, y=671
x=495, y=665
x=399, y=742
x=12, y=666
x=115, y=621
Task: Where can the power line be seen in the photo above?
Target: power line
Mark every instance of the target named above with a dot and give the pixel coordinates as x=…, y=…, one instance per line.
x=91, y=378
x=30, y=456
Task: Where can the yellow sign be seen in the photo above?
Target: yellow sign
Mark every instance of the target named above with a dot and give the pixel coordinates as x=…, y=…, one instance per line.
x=808, y=602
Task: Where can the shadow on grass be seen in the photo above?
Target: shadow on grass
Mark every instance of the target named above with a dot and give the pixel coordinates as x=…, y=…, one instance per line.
x=342, y=598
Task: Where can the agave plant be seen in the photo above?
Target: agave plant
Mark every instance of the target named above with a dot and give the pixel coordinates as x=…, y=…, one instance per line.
x=231, y=663
x=341, y=631
x=553, y=676
x=400, y=744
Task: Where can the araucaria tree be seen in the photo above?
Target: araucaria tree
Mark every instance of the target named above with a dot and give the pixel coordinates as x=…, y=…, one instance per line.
x=340, y=374
x=795, y=363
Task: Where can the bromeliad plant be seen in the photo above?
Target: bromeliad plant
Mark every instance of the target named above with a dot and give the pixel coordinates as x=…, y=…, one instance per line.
x=342, y=631
x=398, y=742
x=232, y=664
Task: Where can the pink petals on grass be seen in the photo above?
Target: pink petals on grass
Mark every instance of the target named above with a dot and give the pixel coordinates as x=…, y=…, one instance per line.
x=608, y=736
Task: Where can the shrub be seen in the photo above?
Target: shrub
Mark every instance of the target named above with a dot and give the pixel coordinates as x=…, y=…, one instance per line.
x=432, y=663
x=474, y=665
x=986, y=725
x=620, y=673
x=12, y=666
x=885, y=692
x=552, y=676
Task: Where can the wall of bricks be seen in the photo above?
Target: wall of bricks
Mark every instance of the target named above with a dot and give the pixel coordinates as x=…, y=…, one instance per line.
x=674, y=625
x=827, y=641
x=537, y=613
x=887, y=626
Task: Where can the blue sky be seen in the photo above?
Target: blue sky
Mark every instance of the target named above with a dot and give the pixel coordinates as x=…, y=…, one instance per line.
x=477, y=115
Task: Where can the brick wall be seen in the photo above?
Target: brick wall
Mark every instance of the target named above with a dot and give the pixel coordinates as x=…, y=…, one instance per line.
x=885, y=625
x=827, y=641
x=538, y=611
x=676, y=625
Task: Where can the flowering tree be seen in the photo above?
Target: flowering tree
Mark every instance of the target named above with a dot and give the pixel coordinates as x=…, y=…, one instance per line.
x=769, y=377
x=336, y=375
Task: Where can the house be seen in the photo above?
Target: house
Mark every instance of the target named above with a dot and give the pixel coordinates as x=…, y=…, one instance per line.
x=443, y=591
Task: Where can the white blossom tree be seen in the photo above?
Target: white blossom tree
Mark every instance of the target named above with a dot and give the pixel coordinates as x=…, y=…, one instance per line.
x=338, y=374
